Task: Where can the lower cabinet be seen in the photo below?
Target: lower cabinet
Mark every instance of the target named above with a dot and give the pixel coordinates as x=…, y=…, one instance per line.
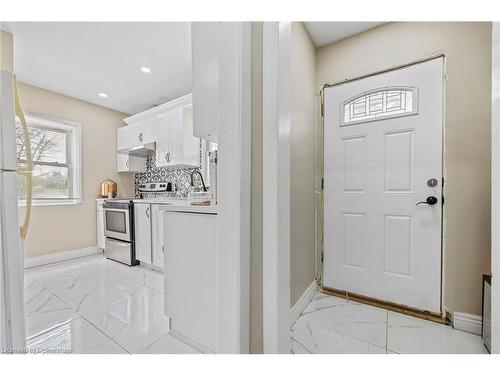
x=157, y=235
x=191, y=276
x=149, y=244
x=142, y=224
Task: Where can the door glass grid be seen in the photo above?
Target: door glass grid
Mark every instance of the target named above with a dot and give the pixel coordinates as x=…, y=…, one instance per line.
x=379, y=103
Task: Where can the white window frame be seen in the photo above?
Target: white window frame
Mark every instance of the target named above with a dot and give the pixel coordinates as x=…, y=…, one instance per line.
x=73, y=130
x=383, y=115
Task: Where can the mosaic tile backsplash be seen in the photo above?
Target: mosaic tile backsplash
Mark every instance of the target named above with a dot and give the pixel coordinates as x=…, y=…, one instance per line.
x=179, y=177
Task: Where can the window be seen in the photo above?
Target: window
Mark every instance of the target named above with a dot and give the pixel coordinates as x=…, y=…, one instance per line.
x=55, y=149
x=379, y=103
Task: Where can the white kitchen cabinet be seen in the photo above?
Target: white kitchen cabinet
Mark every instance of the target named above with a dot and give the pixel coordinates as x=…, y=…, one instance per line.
x=205, y=40
x=128, y=163
x=162, y=142
x=142, y=226
x=175, y=145
x=191, y=275
x=150, y=129
x=158, y=246
x=101, y=238
x=135, y=135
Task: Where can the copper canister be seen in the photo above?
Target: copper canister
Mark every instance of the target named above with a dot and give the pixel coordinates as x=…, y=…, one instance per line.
x=107, y=186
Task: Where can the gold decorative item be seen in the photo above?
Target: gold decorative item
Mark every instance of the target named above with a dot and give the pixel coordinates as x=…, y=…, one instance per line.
x=107, y=186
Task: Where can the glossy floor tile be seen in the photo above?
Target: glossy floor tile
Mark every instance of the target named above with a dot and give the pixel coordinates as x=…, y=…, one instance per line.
x=95, y=305
x=75, y=336
x=407, y=334
x=331, y=325
x=346, y=318
x=169, y=345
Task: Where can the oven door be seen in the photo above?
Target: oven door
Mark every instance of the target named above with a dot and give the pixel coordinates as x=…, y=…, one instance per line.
x=117, y=223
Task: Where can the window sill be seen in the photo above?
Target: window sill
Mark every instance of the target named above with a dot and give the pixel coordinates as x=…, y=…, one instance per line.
x=48, y=202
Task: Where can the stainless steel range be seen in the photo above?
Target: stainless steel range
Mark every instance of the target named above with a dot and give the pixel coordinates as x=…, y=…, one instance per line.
x=119, y=230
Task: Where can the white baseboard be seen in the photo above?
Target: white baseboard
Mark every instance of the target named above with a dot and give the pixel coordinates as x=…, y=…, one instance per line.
x=60, y=256
x=470, y=323
x=302, y=303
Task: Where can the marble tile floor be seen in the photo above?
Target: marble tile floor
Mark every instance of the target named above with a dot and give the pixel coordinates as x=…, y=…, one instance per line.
x=95, y=305
x=331, y=325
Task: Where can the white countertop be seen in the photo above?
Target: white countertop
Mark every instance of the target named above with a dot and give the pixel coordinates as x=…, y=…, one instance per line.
x=178, y=205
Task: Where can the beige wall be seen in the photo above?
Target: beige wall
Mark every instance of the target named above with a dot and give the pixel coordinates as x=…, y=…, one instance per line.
x=6, y=51
x=302, y=162
x=466, y=136
x=58, y=228
x=256, y=194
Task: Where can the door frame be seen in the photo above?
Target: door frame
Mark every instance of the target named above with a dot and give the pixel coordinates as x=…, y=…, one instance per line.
x=233, y=176
x=320, y=205
x=495, y=186
x=277, y=38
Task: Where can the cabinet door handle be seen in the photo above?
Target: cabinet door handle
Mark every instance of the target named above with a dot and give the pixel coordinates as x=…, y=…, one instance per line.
x=147, y=212
x=126, y=163
x=162, y=248
x=140, y=137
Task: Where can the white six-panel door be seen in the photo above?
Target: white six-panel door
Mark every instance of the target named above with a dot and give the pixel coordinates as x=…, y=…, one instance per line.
x=382, y=156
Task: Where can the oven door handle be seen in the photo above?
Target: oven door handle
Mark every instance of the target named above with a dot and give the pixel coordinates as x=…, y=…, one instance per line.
x=115, y=209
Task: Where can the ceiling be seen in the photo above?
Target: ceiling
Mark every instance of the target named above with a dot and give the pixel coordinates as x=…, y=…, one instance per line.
x=83, y=59
x=323, y=33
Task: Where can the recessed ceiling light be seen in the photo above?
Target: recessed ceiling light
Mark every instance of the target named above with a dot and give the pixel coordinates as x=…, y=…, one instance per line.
x=103, y=95
x=145, y=69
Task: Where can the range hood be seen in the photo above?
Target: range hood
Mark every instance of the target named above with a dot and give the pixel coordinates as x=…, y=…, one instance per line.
x=144, y=150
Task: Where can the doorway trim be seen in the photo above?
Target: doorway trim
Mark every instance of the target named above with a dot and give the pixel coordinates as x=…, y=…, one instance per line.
x=443, y=317
x=233, y=175
x=495, y=186
x=277, y=37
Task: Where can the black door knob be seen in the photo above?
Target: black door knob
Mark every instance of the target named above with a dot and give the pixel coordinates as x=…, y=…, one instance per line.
x=431, y=201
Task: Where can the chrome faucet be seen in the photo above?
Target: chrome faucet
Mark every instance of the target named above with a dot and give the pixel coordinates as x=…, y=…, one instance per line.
x=201, y=177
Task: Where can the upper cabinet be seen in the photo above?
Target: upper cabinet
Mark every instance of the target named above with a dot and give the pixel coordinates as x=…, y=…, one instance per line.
x=137, y=133
x=205, y=76
x=170, y=127
x=176, y=147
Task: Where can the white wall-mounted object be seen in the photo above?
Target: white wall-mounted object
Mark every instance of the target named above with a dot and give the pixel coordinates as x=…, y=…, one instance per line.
x=129, y=163
x=100, y=224
x=142, y=227
x=191, y=277
x=205, y=52
x=175, y=145
x=137, y=133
